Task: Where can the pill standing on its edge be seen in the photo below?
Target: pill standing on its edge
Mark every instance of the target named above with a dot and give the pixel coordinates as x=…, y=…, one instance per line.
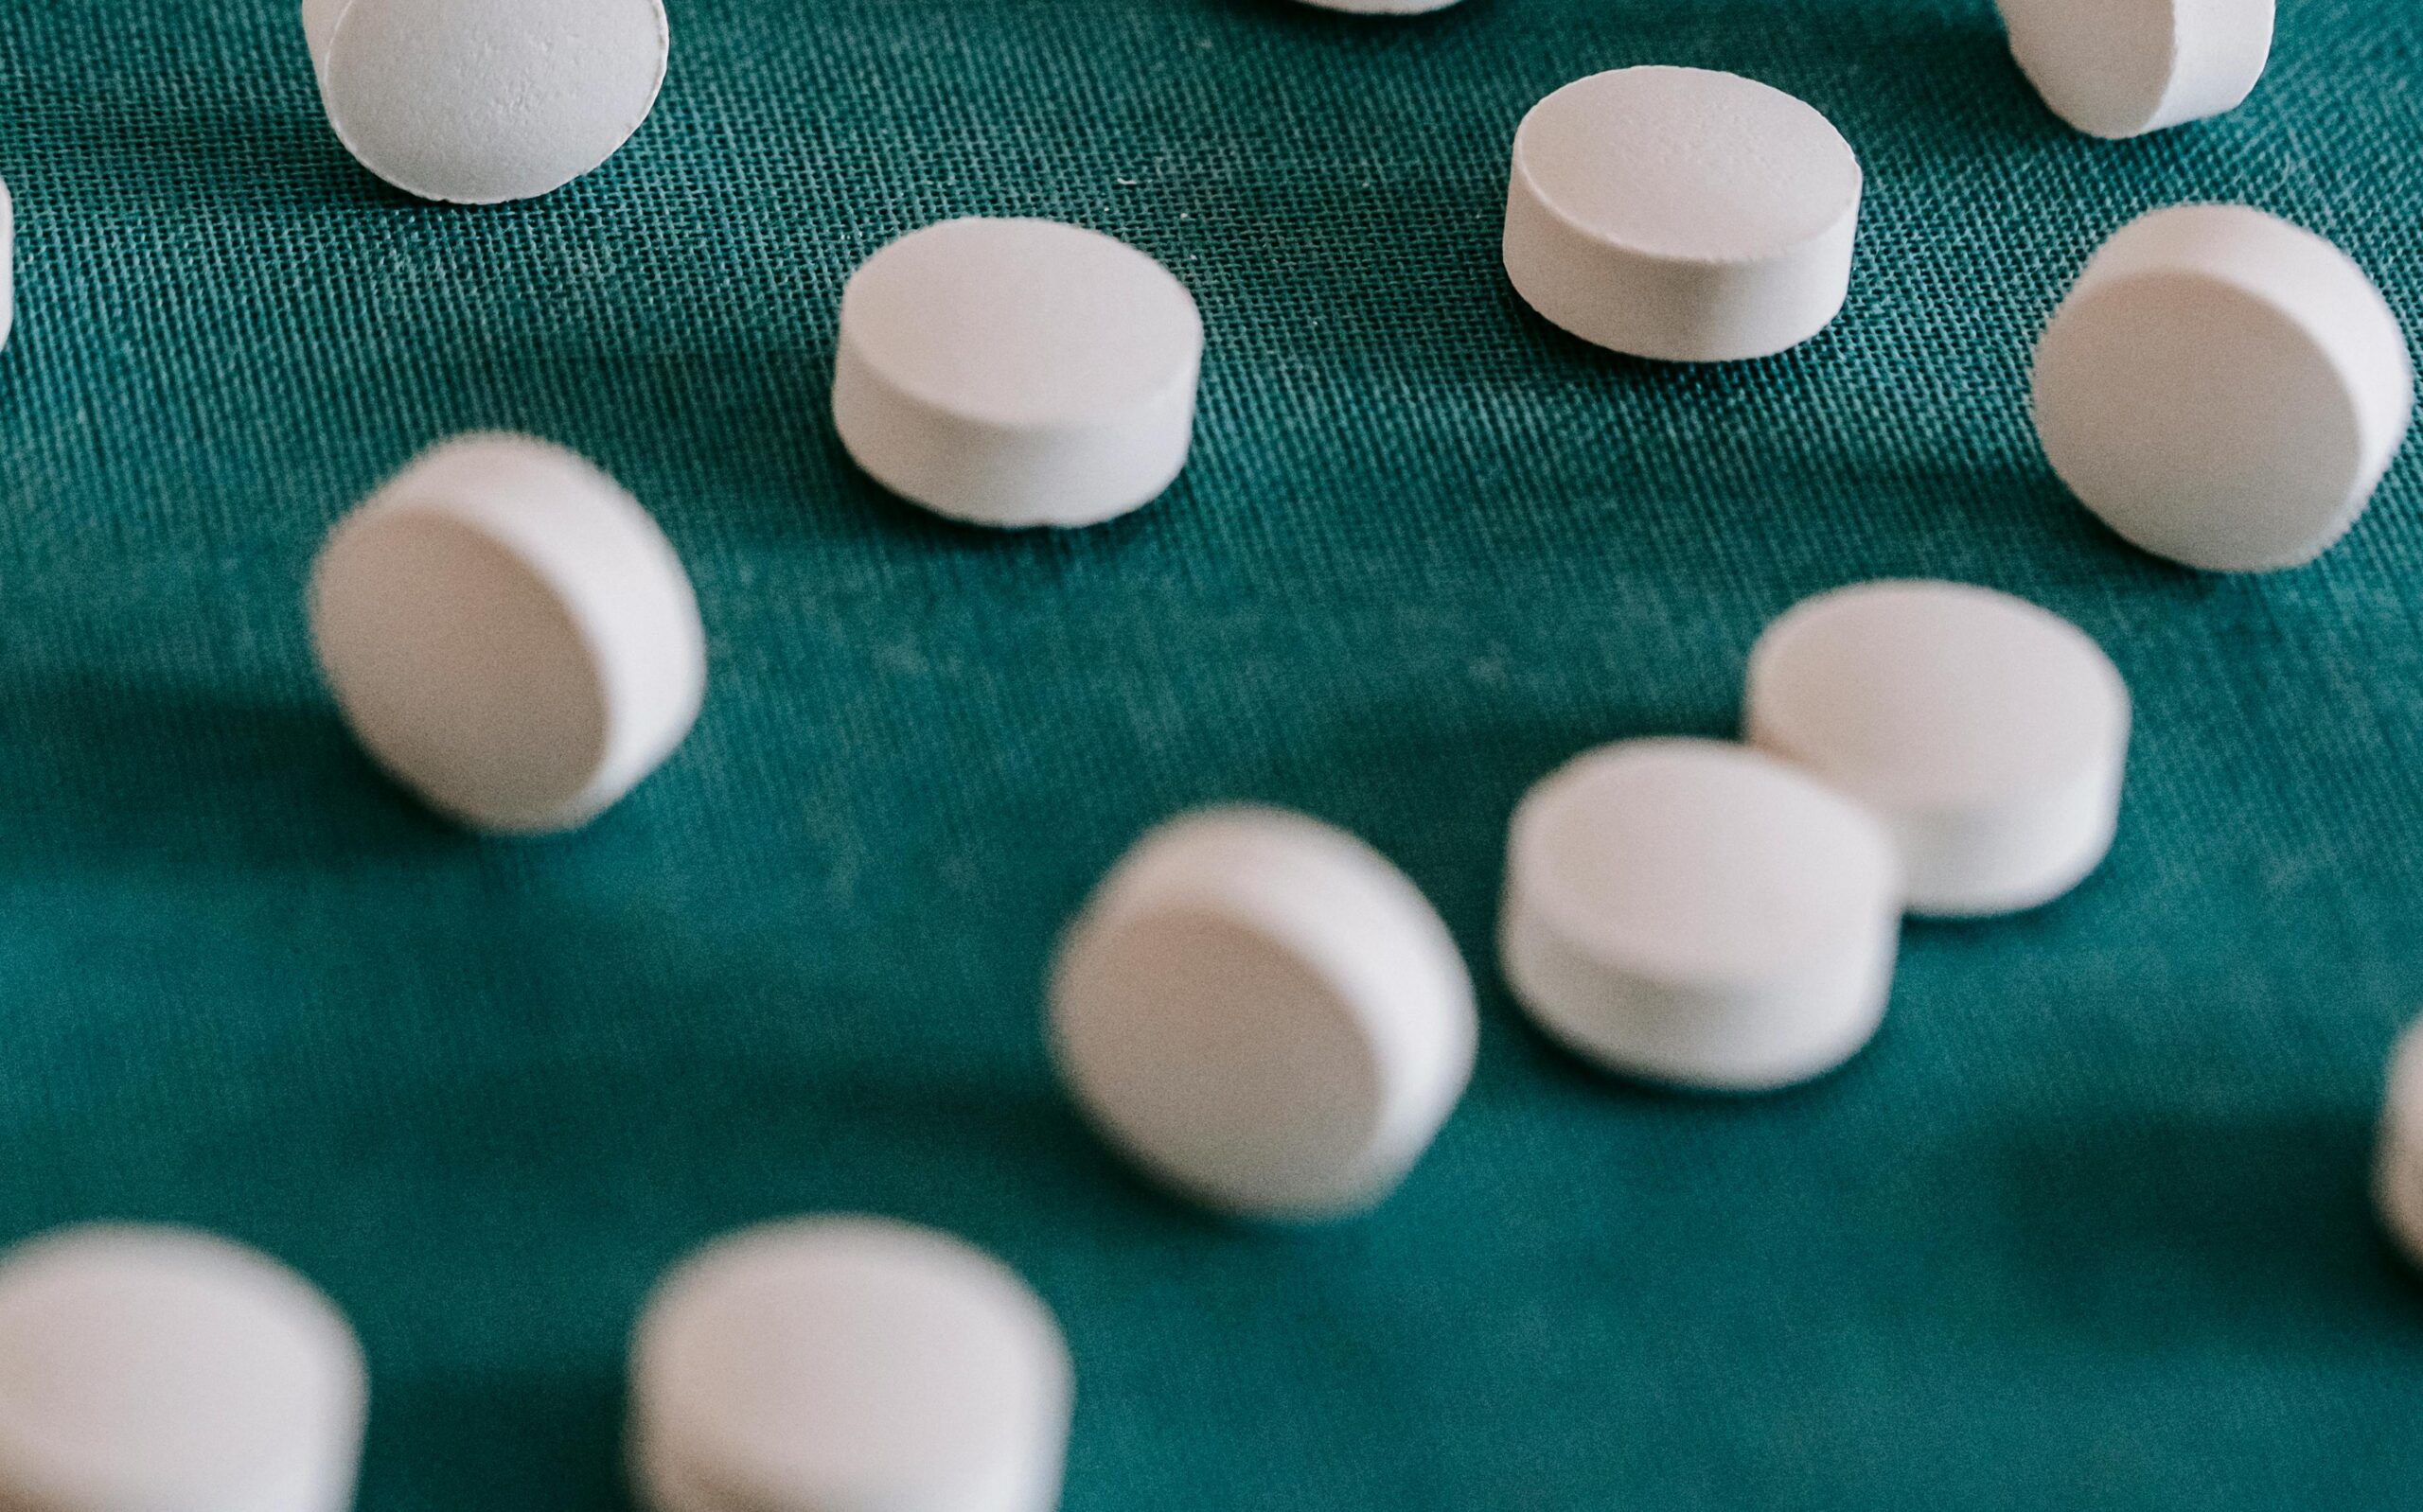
x=2119, y=68
x=146, y=1368
x=8, y=264
x=1682, y=213
x=2398, y=1165
x=2222, y=387
x=1016, y=373
x=847, y=1365
x=1263, y=1014
x=1700, y=914
x=482, y=102
x=508, y=633
x=1988, y=734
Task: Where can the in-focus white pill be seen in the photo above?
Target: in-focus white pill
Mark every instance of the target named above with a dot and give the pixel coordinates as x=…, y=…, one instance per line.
x=509, y=634
x=1682, y=213
x=159, y=1370
x=2117, y=68
x=1701, y=914
x=1263, y=1014
x=1988, y=734
x=2397, y=1168
x=480, y=101
x=1017, y=372
x=2223, y=388
x=847, y=1365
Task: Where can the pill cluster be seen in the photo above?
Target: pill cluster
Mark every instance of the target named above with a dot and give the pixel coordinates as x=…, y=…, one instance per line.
x=1257, y=1010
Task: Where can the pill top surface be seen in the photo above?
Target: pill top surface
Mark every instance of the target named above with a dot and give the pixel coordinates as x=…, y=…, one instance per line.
x=479, y=101
x=1022, y=322
x=1925, y=694
x=160, y=1369
x=1699, y=862
x=1687, y=164
x=853, y=1363
x=2119, y=68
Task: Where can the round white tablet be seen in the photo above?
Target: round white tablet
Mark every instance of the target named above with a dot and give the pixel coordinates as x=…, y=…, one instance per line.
x=1700, y=914
x=2223, y=388
x=509, y=634
x=1383, y=8
x=1263, y=1014
x=2397, y=1170
x=2119, y=68
x=8, y=264
x=150, y=1368
x=1988, y=734
x=847, y=1365
x=1017, y=372
x=480, y=101
x=1681, y=213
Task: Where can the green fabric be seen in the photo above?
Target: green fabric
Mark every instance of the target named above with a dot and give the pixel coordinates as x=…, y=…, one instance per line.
x=2086, y=1226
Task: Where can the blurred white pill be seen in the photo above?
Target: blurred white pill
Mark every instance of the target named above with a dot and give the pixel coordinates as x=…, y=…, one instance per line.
x=160, y=1370
x=847, y=1365
x=2397, y=1170
x=480, y=101
x=2117, y=68
x=509, y=634
x=1682, y=213
x=1263, y=1014
x=1018, y=373
x=1383, y=8
x=2223, y=388
x=8, y=264
x=1701, y=914
x=1988, y=734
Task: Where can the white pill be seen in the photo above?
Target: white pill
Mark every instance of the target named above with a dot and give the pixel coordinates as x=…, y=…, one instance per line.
x=1018, y=373
x=509, y=634
x=847, y=1365
x=2223, y=388
x=1681, y=213
x=1700, y=914
x=1263, y=1014
x=1988, y=734
x=1383, y=8
x=480, y=101
x=8, y=264
x=159, y=1370
x=2117, y=68
x=2397, y=1169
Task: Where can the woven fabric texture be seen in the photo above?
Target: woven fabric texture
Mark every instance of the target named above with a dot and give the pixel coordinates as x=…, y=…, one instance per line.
x=2086, y=1228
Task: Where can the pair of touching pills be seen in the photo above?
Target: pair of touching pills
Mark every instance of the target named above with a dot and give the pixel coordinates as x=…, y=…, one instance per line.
x=2222, y=387
x=1263, y=1014
x=1681, y=213
x=1017, y=372
x=481, y=102
x=847, y=1365
x=509, y=634
x=2117, y=68
x=160, y=1370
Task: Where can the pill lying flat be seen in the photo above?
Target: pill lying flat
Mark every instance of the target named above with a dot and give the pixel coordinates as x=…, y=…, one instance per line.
x=479, y=101
x=1263, y=1014
x=1017, y=372
x=847, y=1365
x=1700, y=914
x=2397, y=1169
x=509, y=634
x=1988, y=734
x=146, y=1368
x=1681, y=213
x=2222, y=387
x=2117, y=68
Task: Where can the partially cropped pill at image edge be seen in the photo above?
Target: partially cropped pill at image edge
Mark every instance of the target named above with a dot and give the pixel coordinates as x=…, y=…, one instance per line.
x=1990, y=735
x=161, y=1367
x=2397, y=1166
x=508, y=633
x=1261, y=1012
x=2121, y=69
x=847, y=1365
x=7, y=266
x=483, y=101
x=1682, y=213
x=1700, y=914
x=2222, y=387
x=1018, y=373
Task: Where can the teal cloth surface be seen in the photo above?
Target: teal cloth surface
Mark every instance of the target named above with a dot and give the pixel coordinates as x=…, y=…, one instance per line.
x=2085, y=1227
